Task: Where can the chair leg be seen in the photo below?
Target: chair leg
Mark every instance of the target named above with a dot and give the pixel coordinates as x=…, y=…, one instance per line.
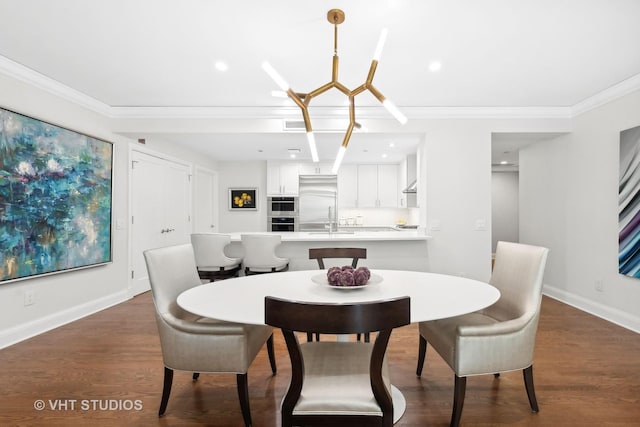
x=422, y=351
x=243, y=395
x=166, y=390
x=496, y=375
x=367, y=337
x=272, y=355
x=528, y=384
x=310, y=336
x=459, y=389
x=196, y=375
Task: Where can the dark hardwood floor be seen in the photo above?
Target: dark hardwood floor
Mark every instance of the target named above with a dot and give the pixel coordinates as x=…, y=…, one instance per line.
x=587, y=373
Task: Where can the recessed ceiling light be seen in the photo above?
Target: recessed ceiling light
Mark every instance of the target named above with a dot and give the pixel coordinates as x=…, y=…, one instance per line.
x=391, y=144
x=504, y=162
x=384, y=156
x=221, y=66
x=435, y=66
x=293, y=152
x=279, y=94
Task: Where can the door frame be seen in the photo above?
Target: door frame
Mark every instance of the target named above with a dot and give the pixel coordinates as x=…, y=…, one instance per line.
x=215, y=195
x=149, y=152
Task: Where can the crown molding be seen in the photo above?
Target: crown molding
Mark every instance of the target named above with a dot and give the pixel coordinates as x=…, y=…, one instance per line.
x=414, y=113
x=54, y=87
x=31, y=77
x=619, y=90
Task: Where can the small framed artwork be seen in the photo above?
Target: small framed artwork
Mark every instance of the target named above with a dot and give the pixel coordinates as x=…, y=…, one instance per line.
x=243, y=199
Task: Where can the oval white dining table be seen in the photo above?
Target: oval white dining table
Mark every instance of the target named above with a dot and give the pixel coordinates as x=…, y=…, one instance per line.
x=433, y=296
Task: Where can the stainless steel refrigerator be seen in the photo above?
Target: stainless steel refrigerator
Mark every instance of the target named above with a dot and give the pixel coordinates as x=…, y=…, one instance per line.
x=318, y=202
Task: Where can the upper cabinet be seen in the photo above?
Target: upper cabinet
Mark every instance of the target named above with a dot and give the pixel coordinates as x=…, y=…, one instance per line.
x=348, y=186
x=282, y=178
x=388, y=186
x=315, y=168
x=359, y=186
x=377, y=186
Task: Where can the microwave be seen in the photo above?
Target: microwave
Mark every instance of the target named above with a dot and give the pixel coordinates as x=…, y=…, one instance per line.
x=282, y=206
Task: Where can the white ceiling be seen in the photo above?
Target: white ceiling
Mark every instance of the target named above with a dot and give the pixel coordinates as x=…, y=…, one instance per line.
x=161, y=53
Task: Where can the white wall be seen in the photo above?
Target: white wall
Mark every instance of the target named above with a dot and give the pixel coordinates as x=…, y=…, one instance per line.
x=64, y=297
x=504, y=208
x=242, y=174
x=569, y=200
x=457, y=178
x=67, y=296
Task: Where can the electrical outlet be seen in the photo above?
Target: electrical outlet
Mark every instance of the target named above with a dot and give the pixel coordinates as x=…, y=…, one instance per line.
x=29, y=298
x=599, y=286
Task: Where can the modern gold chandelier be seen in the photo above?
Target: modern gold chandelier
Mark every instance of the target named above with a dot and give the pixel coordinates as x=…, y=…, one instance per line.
x=302, y=100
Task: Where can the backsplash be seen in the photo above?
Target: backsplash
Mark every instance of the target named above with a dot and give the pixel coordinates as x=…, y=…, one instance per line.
x=380, y=216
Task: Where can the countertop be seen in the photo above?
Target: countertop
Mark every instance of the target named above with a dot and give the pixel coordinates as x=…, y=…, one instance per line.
x=349, y=236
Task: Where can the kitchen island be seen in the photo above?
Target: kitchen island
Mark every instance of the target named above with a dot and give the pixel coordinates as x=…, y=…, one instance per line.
x=391, y=250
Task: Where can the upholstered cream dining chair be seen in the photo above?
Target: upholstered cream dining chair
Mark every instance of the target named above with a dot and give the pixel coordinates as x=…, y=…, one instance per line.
x=338, y=383
x=260, y=254
x=213, y=264
x=499, y=338
x=196, y=344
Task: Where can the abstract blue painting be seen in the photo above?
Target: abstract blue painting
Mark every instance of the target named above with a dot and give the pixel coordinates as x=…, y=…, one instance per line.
x=55, y=198
x=629, y=203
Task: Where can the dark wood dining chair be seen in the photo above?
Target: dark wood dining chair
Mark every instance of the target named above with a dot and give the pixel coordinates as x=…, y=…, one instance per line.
x=320, y=254
x=343, y=383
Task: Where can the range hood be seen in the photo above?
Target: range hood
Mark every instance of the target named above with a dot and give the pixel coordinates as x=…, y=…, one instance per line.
x=411, y=188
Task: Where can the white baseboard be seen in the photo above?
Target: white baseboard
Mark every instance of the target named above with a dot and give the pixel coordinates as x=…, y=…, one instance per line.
x=610, y=314
x=36, y=327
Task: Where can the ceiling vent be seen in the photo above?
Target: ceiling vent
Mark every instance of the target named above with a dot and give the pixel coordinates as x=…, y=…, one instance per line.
x=293, y=125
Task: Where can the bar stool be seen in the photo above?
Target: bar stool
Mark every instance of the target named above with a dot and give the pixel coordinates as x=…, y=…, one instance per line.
x=260, y=254
x=211, y=260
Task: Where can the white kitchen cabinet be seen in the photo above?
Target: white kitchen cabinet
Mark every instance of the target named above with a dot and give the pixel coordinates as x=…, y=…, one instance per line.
x=367, y=186
x=378, y=186
x=282, y=178
x=388, y=193
x=348, y=186
x=315, y=168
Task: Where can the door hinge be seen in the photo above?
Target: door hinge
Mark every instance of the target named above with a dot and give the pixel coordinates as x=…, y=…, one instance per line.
x=131, y=219
x=133, y=163
x=132, y=274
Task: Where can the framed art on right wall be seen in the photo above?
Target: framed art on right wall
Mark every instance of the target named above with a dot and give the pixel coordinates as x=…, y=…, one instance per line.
x=629, y=203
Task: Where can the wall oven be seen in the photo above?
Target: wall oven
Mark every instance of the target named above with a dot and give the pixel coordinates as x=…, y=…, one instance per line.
x=282, y=206
x=282, y=223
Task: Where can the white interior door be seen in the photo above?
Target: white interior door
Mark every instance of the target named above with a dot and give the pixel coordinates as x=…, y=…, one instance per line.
x=205, y=201
x=160, y=206
x=176, y=204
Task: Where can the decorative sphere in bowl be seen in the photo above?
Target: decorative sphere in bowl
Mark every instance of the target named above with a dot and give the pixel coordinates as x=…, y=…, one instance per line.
x=348, y=276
